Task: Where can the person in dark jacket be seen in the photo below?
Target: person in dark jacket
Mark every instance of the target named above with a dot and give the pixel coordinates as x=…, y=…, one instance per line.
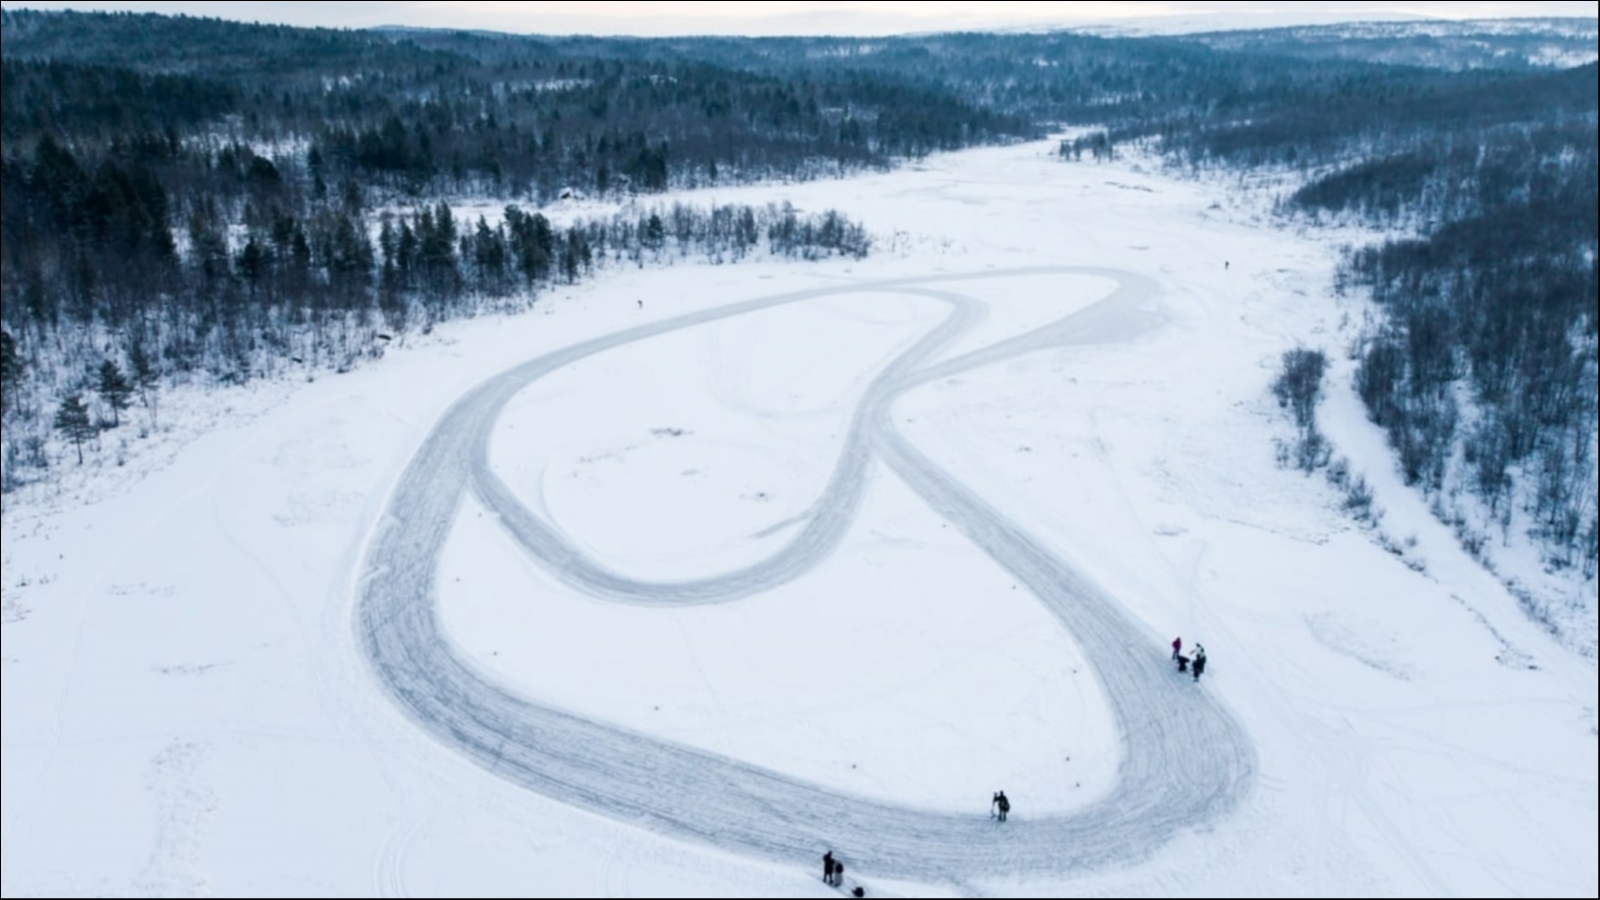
x=1199, y=665
x=827, y=867
x=1002, y=805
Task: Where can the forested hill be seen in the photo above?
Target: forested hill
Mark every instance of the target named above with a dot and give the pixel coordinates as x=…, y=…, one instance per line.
x=1521, y=44
x=203, y=201
x=1483, y=367
x=207, y=198
x=488, y=114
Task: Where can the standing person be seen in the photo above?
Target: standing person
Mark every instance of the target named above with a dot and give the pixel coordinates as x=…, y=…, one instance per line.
x=1199, y=665
x=1177, y=647
x=827, y=867
x=1002, y=805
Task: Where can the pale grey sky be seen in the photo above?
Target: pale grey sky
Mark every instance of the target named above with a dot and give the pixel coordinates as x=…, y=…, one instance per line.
x=791, y=18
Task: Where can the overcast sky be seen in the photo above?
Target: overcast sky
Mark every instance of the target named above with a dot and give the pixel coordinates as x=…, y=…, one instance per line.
x=785, y=18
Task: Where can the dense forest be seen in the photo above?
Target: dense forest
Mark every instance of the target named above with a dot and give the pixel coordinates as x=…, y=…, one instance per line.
x=1521, y=44
x=1482, y=369
x=191, y=198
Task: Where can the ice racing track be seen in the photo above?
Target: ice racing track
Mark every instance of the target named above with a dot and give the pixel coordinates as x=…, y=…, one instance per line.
x=1185, y=760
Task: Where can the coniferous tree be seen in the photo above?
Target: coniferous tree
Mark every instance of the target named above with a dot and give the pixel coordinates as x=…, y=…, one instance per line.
x=145, y=376
x=115, y=389
x=1299, y=385
x=1299, y=389
x=10, y=369
x=72, y=420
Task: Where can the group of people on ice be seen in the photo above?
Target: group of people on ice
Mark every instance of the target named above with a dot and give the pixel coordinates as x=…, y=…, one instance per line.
x=1000, y=806
x=1186, y=664
x=833, y=874
x=833, y=867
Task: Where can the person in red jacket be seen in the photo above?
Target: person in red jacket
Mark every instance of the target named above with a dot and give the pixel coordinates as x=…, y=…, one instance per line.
x=1177, y=647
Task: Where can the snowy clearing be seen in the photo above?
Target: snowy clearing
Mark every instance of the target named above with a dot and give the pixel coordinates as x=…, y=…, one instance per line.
x=882, y=548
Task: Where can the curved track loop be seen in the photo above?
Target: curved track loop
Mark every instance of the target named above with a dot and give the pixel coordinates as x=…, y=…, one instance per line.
x=1185, y=759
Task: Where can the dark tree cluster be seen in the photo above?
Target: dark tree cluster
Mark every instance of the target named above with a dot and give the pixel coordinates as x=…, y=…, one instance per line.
x=1484, y=369
x=1450, y=45
x=233, y=297
x=1489, y=350
x=430, y=113
x=1299, y=390
x=192, y=200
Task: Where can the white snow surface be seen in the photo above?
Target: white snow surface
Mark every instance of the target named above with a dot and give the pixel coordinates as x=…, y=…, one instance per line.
x=187, y=708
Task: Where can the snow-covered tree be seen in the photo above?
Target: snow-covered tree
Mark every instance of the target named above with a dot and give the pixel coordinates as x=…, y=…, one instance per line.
x=72, y=420
x=146, y=376
x=115, y=389
x=10, y=369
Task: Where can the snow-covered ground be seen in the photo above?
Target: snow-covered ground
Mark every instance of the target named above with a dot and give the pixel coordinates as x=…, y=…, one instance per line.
x=188, y=708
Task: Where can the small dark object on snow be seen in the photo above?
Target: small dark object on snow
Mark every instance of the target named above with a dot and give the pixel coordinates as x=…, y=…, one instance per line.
x=859, y=892
x=1183, y=663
